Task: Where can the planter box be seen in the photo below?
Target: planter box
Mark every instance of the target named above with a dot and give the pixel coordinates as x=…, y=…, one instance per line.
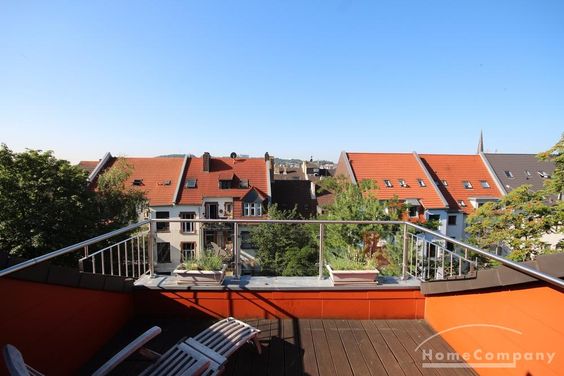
x=200, y=277
x=353, y=277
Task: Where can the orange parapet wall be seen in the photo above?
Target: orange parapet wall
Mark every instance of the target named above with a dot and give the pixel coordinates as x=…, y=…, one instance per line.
x=56, y=328
x=374, y=304
x=514, y=331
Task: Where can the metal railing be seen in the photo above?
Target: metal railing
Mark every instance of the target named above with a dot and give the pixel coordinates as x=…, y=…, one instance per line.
x=424, y=252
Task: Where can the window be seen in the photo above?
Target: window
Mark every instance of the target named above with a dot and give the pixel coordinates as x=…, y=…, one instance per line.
x=434, y=218
x=421, y=183
x=163, y=253
x=413, y=211
x=244, y=183
x=228, y=208
x=252, y=209
x=191, y=183
x=485, y=184
x=388, y=183
x=402, y=183
x=224, y=184
x=188, y=226
x=462, y=203
x=452, y=220
x=467, y=184
x=445, y=183
x=543, y=174
x=167, y=182
x=246, y=240
x=509, y=174
x=211, y=210
x=162, y=226
x=137, y=182
x=188, y=250
x=450, y=246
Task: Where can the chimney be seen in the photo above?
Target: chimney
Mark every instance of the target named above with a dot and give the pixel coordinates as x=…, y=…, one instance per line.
x=206, y=162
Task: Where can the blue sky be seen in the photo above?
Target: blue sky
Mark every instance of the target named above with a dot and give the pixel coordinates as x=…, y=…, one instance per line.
x=295, y=78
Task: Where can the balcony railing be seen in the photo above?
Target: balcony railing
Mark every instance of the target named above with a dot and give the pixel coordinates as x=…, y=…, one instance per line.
x=426, y=255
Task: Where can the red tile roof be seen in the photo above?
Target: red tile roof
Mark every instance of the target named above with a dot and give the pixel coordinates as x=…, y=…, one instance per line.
x=458, y=168
x=155, y=172
x=89, y=166
x=395, y=166
x=252, y=169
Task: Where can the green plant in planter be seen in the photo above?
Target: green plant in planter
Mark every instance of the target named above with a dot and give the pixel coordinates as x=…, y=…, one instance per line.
x=350, y=259
x=205, y=261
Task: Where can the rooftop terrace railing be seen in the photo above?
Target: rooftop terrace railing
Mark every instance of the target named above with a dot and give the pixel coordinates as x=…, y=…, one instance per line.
x=426, y=254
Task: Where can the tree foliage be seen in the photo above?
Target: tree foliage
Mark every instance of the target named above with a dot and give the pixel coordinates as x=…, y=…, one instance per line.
x=46, y=204
x=555, y=185
x=281, y=247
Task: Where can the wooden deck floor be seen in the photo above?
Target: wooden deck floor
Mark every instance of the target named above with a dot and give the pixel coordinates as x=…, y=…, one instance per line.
x=306, y=347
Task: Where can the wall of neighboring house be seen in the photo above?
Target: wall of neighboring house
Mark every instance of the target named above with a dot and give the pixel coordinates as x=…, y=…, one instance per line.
x=442, y=218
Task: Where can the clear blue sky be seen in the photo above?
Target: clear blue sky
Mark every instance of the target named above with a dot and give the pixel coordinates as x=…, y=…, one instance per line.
x=295, y=78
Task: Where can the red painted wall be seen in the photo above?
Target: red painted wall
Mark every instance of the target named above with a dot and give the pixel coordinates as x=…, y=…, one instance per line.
x=524, y=321
x=59, y=328
x=375, y=304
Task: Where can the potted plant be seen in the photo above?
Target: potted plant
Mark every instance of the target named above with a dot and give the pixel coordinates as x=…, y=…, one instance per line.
x=207, y=269
x=352, y=267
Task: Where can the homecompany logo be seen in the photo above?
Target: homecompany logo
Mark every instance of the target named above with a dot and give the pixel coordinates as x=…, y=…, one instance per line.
x=478, y=357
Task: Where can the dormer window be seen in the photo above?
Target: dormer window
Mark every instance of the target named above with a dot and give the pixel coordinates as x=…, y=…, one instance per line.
x=225, y=184
x=402, y=183
x=467, y=184
x=191, y=183
x=445, y=183
x=137, y=182
x=462, y=203
x=509, y=174
x=485, y=184
x=421, y=183
x=388, y=183
x=252, y=209
x=244, y=183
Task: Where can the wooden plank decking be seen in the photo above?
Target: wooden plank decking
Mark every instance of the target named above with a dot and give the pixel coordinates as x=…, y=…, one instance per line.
x=307, y=347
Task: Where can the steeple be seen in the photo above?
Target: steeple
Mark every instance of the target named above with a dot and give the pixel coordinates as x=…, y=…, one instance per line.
x=481, y=143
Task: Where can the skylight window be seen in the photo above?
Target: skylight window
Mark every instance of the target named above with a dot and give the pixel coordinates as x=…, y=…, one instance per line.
x=445, y=183
x=421, y=183
x=527, y=172
x=191, y=183
x=402, y=183
x=467, y=184
x=137, y=182
x=485, y=184
x=388, y=183
x=509, y=174
x=462, y=203
x=543, y=174
x=167, y=182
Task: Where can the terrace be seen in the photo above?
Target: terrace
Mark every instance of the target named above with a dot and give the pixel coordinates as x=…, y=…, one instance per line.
x=445, y=302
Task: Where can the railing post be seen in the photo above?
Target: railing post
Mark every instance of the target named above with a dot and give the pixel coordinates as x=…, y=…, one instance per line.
x=321, y=249
x=404, y=258
x=236, y=251
x=151, y=254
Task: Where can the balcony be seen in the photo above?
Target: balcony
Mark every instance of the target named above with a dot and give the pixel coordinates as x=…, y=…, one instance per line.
x=446, y=313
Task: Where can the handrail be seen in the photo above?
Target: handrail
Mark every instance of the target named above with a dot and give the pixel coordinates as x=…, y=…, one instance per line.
x=113, y=245
x=511, y=264
x=70, y=248
x=506, y=262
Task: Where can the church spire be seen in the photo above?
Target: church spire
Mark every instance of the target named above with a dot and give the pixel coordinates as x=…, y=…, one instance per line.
x=481, y=143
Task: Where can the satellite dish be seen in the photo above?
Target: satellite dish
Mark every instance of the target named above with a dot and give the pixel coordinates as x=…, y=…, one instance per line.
x=233, y=155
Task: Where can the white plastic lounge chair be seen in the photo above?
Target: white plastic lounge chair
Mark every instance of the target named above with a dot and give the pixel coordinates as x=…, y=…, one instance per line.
x=16, y=364
x=221, y=340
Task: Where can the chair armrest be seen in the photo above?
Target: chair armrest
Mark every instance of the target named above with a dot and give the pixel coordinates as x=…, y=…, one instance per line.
x=127, y=351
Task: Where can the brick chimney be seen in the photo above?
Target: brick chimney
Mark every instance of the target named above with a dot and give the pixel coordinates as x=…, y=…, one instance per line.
x=206, y=162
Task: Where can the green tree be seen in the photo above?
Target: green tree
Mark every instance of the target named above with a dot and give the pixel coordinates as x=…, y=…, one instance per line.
x=516, y=222
x=45, y=203
x=555, y=185
x=278, y=243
